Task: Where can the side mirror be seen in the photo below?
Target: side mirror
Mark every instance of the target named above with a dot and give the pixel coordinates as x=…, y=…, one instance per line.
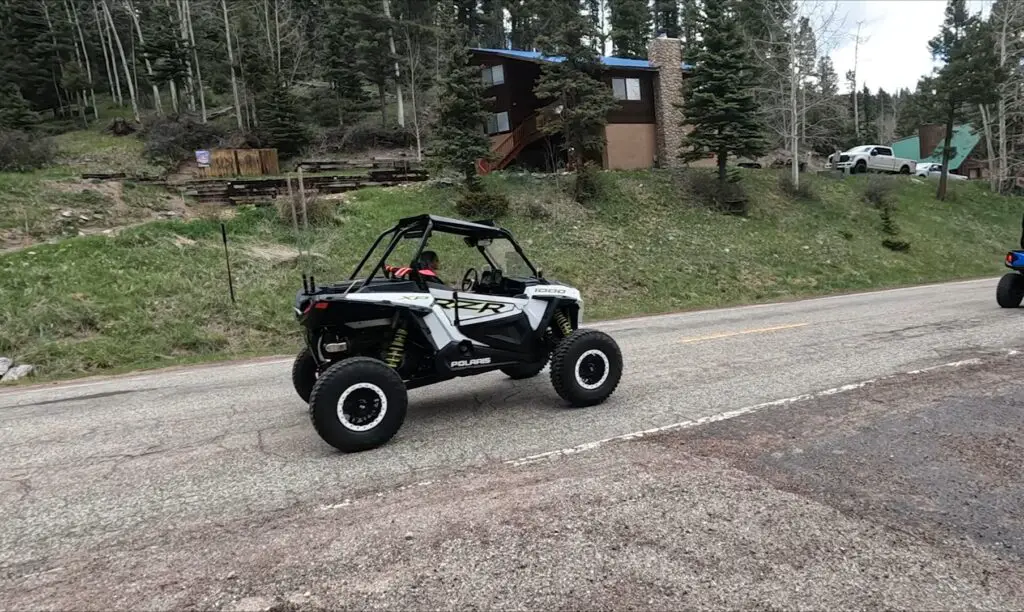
x=874, y=153
x=540, y=271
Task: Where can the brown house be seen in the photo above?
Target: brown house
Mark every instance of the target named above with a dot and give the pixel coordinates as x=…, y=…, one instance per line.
x=636, y=135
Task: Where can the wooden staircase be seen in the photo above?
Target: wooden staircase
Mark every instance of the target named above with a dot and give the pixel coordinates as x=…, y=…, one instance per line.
x=507, y=149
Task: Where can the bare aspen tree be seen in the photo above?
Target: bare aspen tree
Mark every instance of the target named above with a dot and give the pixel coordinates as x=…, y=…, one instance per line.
x=113, y=80
x=195, y=58
x=231, y=61
x=124, y=60
x=398, y=75
x=85, y=55
x=157, y=102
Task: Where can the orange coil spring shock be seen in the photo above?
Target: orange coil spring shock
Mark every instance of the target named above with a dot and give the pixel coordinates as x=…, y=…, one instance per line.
x=396, y=350
x=563, y=324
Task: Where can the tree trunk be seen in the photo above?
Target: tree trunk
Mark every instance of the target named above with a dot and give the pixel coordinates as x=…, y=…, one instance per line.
x=190, y=75
x=723, y=157
x=993, y=179
x=111, y=75
x=108, y=51
x=1003, y=174
x=124, y=61
x=231, y=60
x=794, y=111
x=81, y=96
x=413, y=53
x=856, y=110
x=157, y=103
x=277, y=32
x=58, y=84
x=950, y=118
x=88, y=63
x=398, y=75
x=383, y=104
x=195, y=58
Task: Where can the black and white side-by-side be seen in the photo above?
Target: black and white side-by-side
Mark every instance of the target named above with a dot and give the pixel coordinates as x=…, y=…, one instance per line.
x=371, y=338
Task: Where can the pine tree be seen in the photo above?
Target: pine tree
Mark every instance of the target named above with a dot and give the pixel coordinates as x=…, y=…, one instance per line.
x=280, y=123
x=348, y=93
x=666, y=18
x=28, y=57
x=631, y=27
x=717, y=101
x=575, y=84
x=970, y=74
x=15, y=112
x=371, y=52
x=492, y=24
x=459, y=139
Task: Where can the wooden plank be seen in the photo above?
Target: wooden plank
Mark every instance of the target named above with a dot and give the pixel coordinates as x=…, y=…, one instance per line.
x=249, y=162
x=222, y=163
x=268, y=162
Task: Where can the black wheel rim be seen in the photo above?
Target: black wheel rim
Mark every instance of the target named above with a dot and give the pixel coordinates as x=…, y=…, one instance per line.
x=592, y=369
x=361, y=407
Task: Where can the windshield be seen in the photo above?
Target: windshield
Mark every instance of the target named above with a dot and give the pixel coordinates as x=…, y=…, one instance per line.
x=503, y=254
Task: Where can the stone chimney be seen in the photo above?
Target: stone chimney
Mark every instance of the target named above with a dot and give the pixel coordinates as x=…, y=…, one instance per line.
x=930, y=136
x=666, y=54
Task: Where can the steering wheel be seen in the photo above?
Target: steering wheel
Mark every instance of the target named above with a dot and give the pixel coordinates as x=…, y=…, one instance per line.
x=469, y=283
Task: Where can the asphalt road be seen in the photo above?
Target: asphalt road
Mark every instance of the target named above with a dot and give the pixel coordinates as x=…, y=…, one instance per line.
x=95, y=470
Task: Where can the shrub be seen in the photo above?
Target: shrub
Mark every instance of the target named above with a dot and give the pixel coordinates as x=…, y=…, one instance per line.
x=364, y=137
x=587, y=186
x=804, y=191
x=890, y=228
x=481, y=204
x=172, y=140
x=537, y=212
x=879, y=190
x=21, y=151
x=319, y=210
x=728, y=197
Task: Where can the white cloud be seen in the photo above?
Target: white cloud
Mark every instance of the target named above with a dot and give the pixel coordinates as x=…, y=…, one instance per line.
x=894, y=40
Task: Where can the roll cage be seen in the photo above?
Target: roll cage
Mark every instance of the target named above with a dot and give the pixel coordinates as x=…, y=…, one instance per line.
x=422, y=227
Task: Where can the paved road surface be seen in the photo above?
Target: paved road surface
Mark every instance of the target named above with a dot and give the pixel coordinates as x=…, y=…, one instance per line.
x=96, y=469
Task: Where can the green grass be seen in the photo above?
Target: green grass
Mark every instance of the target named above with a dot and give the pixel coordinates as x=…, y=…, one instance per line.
x=157, y=294
x=32, y=203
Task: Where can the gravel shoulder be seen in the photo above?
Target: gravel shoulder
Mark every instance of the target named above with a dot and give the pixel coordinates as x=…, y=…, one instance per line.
x=901, y=494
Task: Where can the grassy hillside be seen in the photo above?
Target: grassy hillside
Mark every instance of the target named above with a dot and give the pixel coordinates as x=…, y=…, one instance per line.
x=157, y=294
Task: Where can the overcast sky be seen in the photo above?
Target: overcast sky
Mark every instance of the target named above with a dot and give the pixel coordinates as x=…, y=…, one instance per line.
x=894, y=39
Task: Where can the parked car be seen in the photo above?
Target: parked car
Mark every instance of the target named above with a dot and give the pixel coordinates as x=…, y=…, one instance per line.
x=875, y=158
x=935, y=171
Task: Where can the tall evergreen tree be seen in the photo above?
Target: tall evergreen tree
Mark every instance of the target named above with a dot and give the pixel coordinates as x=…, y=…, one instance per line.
x=15, y=112
x=576, y=85
x=631, y=27
x=970, y=73
x=28, y=57
x=459, y=139
x=348, y=83
x=717, y=100
x=492, y=24
x=666, y=18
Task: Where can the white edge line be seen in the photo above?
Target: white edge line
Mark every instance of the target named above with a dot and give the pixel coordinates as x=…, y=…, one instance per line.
x=731, y=414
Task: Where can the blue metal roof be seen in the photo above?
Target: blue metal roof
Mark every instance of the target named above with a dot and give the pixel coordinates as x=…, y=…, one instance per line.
x=610, y=61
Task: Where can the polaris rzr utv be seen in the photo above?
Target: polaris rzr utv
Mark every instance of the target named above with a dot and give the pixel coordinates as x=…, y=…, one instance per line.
x=370, y=339
x=1010, y=290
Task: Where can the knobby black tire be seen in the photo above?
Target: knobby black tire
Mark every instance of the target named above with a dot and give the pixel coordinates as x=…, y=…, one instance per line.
x=1010, y=290
x=304, y=372
x=563, y=367
x=323, y=404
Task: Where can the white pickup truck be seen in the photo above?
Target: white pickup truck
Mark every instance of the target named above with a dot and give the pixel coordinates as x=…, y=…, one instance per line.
x=875, y=158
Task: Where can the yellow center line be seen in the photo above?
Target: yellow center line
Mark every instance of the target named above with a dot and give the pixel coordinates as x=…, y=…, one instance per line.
x=762, y=330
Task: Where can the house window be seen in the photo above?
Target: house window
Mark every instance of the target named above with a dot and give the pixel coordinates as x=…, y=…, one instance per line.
x=626, y=89
x=497, y=123
x=493, y=75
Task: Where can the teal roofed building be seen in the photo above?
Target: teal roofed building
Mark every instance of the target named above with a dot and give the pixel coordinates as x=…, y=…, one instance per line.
x=926, y=147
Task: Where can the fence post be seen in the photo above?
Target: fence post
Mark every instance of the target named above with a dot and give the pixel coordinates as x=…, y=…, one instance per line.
x=302, y=196
x=291, y=202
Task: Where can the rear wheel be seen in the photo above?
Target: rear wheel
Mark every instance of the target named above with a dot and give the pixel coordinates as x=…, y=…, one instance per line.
x=1010, y=290
x=586, y=367
x=358, y=404
x=905, y=170
x=304, y=373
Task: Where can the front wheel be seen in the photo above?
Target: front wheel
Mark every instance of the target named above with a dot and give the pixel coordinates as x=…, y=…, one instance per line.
x=905, y=170
x=358, y=404
x=586, y=367
x=1010, y=290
